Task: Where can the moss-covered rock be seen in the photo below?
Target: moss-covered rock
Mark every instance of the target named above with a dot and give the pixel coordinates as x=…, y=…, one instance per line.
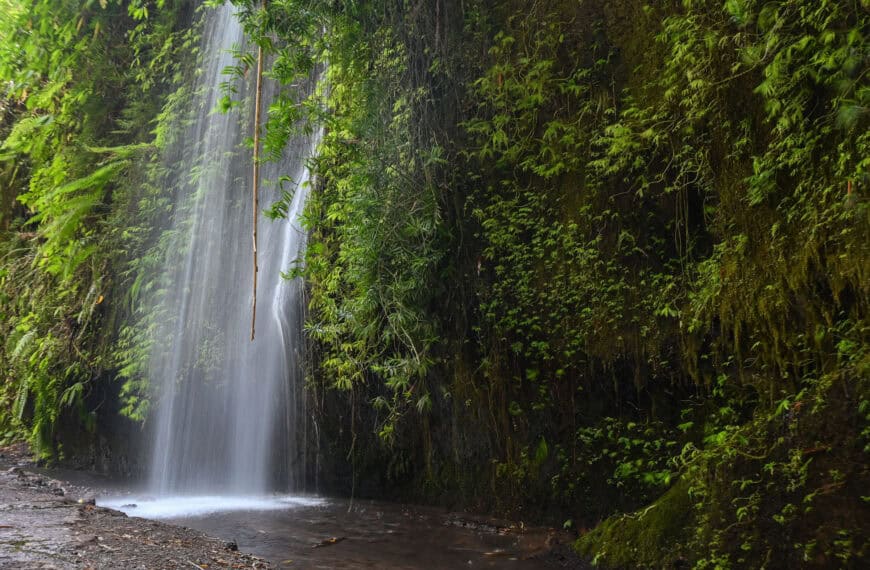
x=649, y=538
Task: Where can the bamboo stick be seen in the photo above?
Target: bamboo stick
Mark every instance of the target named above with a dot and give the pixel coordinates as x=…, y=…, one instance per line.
x=256, y=191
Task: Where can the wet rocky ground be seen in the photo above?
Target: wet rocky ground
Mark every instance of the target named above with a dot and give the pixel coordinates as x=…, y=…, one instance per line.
x=50, y=524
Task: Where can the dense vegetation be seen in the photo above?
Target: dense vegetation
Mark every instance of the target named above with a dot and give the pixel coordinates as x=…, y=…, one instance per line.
x=598, y=262
x=84, y=84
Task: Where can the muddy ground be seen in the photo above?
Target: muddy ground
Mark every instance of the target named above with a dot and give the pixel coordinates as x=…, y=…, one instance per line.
x=48, y=524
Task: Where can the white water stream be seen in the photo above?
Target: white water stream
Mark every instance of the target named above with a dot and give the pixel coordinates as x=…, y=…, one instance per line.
x=227, y=422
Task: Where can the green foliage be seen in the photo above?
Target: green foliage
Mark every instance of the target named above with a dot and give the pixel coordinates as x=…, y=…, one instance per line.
x=783, y=474
x=600, y=259
x=82, y=85
x=657, y=240
x=375, y=220
x=375, y=239
x=706, y=202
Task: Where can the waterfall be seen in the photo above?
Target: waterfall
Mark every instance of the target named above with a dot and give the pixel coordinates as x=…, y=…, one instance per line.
x=226, y=411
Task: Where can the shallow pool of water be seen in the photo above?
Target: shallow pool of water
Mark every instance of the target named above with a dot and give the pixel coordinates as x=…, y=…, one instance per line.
x=314, y=532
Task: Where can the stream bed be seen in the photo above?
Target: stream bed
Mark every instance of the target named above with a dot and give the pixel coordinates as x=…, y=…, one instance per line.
x=313, y=532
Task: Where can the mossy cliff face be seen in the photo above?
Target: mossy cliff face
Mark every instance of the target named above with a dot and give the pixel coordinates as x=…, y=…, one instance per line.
x=598, y=263
x=575, y=259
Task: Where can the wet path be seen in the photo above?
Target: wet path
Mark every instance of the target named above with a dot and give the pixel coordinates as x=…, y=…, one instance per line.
x=47, y=524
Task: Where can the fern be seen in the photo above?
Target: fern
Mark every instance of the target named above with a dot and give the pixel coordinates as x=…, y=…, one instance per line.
x=22, y=347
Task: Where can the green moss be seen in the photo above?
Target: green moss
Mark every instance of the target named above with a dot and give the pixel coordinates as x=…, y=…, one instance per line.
x=646, y=538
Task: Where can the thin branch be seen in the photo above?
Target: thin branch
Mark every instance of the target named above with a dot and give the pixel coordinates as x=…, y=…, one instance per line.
x=257, y=176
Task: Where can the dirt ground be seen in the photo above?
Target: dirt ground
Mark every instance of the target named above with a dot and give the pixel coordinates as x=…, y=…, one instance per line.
x=48, y=524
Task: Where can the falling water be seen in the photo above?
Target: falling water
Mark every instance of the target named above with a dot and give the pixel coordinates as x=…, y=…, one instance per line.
x=227, y=409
